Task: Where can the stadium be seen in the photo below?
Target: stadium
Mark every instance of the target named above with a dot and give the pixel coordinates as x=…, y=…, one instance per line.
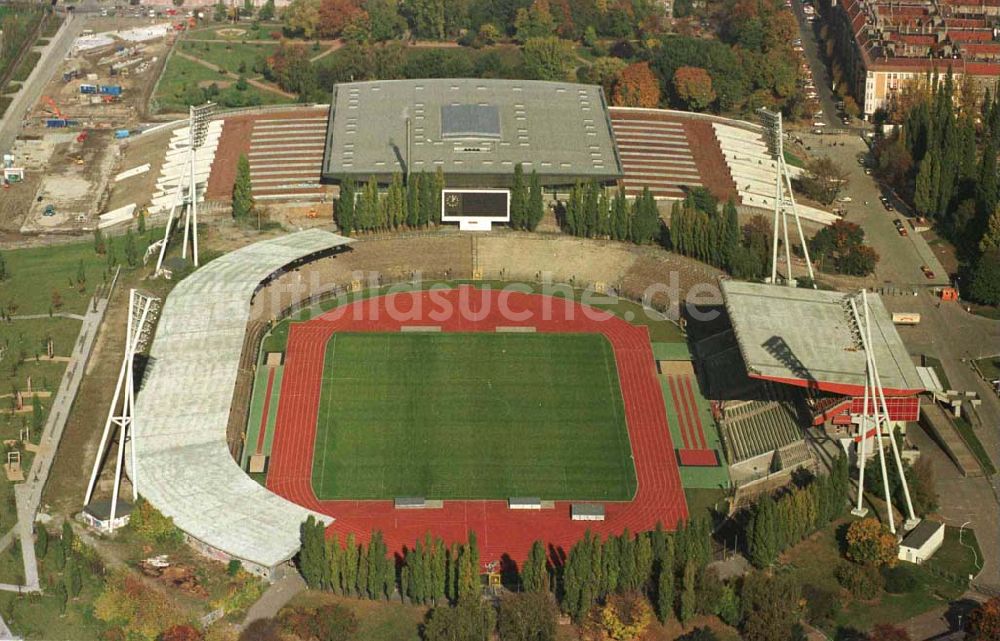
x=319, y=375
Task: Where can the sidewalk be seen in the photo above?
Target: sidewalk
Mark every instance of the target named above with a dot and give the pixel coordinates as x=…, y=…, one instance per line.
x=28, y=495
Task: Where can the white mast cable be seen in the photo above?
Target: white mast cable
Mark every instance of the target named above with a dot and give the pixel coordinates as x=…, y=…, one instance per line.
x=892, y=431
x=878, y=427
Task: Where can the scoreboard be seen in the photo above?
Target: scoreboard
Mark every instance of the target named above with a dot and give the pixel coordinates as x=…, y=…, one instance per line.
x=475, y=209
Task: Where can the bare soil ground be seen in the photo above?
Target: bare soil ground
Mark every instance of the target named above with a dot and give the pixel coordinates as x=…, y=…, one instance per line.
x=73, y=184
x=527, y=257
x=146, y=148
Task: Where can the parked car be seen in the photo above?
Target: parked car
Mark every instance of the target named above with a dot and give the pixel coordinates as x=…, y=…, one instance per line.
x=927, y=271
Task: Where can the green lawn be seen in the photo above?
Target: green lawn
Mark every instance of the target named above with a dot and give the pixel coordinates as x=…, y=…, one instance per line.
x=978, y=449
x=180, y=73
x=35, y=275
x=814, y=562
x=229, y=55
x=989, y=367
x=471, y=416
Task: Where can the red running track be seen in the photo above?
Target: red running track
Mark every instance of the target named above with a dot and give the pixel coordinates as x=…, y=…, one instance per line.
x=500, y=531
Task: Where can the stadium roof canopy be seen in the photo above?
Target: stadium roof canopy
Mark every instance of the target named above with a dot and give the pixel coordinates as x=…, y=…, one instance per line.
x=184, y=466
x=806, y=337
x=475, y=130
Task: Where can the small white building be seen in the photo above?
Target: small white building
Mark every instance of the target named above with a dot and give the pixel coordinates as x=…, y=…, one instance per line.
x=587, y=512
x=922, y=542
x=524, y=503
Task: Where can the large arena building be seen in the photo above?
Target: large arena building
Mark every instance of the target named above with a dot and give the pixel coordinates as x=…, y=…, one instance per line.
x=474, y=130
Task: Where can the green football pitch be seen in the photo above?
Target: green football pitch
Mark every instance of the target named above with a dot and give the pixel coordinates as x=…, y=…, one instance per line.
x=471, y=416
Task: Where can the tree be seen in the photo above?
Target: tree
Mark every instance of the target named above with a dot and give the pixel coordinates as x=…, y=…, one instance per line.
x=985, y=285
x=59, y=594
x=42, y=542
x=518, y=198
x=536, y=202
x=335, y=15
x=688, y=599
x=535, y=574
x=302, y=16
x=984, y=621
x=636, y=86
x=990, y=240
x=266, y=11
x=693, y=85
x=470, y=620
x=665, y=592
x=530, y=616
x=535, y=21
x=770, y=607
x=549, y=58
x=622, y=617
x=72, y=577
x=99, y=245
x=870, y=543
x=699, y=634
x=181, y=632
x=37, y=417
x=344, y=207
x=242, y=189
x=762, y=540
x=312, y=552
x=4, y=274
x=131, y=251
x=823, y=179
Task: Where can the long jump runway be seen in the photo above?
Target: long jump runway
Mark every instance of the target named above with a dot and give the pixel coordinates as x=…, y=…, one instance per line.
x=659, y=498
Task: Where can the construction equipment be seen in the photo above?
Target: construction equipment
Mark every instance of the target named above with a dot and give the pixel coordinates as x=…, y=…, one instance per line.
x=55, y=108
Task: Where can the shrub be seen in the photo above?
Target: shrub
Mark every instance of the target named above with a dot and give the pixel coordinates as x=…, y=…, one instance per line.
x=862, y=581
x=150, y=525
x=821, y=604
x=901, y=579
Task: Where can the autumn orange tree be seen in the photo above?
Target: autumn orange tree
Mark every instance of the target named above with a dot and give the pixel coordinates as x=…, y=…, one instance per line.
x=870, y=543
x=637, y=86
x=984, y=621
x=335, y=15
x=693, y=86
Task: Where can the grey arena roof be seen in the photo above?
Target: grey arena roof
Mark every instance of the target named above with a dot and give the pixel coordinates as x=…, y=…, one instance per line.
x=476, y=129
x=184, y=468
x=807, y=335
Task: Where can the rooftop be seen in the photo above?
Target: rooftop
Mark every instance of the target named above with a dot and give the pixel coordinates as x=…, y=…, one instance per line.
x=920, y=535
x=477, y=127
x=917, y=36
x=805, y=337
x=184, y=468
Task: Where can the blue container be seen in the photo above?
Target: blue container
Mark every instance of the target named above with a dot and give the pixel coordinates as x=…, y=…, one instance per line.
x=90, y=89
x=121, y=133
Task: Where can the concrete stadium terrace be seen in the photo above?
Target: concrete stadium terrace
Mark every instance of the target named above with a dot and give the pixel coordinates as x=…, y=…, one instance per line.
x=501, y=532
x=702, y=301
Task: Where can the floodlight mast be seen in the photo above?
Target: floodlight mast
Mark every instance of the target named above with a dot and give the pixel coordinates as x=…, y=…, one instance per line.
x=198, y=119
x=773, y=137
x=879, y=408
x=142, y=310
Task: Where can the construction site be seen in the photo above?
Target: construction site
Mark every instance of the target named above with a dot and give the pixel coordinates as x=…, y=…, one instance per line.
x=58, y=171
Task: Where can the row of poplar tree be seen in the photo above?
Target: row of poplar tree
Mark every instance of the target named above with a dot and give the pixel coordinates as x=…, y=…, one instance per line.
x=590, y=213
x=773, y=525
x=668, y=568
x=416, y=202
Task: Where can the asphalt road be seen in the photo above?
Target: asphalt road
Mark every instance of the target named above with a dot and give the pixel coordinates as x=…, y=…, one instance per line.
x=31, y=91
x=821, y=77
